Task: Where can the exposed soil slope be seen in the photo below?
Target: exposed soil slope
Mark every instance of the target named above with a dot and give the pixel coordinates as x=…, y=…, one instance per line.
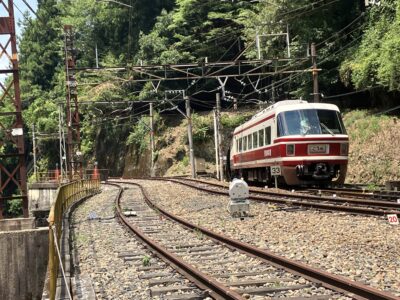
x=374, y=147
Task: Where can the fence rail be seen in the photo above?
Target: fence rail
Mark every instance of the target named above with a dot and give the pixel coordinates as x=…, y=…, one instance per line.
x=67, y=195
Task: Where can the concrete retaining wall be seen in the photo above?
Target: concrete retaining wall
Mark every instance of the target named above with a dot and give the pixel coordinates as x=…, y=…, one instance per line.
x=23, y=263
x=41, y=196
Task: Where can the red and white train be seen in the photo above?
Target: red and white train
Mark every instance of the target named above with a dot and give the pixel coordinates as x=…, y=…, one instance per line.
x=302, y=143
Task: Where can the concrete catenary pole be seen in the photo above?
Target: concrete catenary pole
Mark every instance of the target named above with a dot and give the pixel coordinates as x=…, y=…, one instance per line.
x=315, y=73
x=152, y=146
x=34, y=153
x=216, y=142
x=61, y=136
x=220, y=154
x=190, y=136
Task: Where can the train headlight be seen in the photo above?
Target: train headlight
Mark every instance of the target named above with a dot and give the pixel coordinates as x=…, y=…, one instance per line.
x=344, y=149
x=290, y=149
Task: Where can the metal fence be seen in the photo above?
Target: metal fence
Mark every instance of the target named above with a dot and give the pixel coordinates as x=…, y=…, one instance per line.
x=67, y=195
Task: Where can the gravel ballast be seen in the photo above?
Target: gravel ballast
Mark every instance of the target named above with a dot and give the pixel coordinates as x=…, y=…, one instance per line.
x=109, y=255
x=363, y=248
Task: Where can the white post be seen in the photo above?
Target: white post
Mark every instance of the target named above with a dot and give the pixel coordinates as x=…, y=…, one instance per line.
x=288, y=40
x=190, y=137
x=152, y=139
x=97, y=57
x=258, y=46
x=220, y=154
x=216, y=143
x=34, y=152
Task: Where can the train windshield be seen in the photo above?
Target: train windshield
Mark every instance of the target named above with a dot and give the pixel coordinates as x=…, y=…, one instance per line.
x=310, y=121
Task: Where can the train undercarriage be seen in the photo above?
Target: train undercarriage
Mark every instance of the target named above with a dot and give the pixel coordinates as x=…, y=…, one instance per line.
x=319, y=174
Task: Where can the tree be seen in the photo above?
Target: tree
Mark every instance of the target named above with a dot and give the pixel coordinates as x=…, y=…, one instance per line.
x=375, y=61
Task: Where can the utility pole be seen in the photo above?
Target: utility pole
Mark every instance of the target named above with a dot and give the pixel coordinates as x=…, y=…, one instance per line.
x=152, y=140
x=34, y=152
x=190, y=136
x=97, y=57
x=315, y=73
x=220, y=154
x=216, y=142
x=13, y=181
x=288, y=40
x=258, y=46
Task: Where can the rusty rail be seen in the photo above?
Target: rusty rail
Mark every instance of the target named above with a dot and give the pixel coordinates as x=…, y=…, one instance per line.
x=328, y=280
x=217, y=290
x=67, y=195
x=313, y=201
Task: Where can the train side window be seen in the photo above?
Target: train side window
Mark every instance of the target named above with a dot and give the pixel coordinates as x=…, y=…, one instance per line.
x=255, y=140
x=249, y=142
x=240, y=145
x=245, y=143
x=237, y=145
x=261, y=137
x=268, y=135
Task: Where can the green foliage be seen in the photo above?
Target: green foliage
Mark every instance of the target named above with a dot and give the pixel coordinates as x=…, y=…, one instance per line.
x=185, y=161
x=146, y=261
x=308, y=21
x=174, y=31
x=194, y=30
x=202, y=128
x=15, y=207
x=374, y=62
x=139, y=135
x=233, y=121
x=362, y=126
x=41, y=48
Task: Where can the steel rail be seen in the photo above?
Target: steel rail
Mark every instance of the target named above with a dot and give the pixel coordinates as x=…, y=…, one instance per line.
x=331, y=281
x=323, y=206
x=391, y=195
x=203, y=281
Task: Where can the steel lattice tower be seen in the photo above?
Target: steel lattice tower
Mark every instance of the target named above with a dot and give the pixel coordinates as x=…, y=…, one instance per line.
x=74, y=155
x=13, y=183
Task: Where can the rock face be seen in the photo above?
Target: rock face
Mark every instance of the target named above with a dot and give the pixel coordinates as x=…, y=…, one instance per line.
x=137, y=164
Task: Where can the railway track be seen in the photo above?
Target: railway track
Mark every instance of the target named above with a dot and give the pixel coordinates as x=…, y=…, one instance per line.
x=349, y=205
x=357, y=193
x=225, y=268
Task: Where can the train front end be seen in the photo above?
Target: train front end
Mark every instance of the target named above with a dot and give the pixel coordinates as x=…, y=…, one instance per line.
x=313, y=144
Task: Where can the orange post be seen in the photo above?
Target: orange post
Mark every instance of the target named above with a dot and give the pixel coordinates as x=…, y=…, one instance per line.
x=95, y=172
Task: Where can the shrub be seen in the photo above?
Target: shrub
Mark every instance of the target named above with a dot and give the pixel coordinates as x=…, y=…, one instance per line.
x=15, y=207
x=234, y=121
x=202, y=128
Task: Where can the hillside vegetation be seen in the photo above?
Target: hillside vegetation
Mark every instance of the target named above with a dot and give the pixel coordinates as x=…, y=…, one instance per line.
x=374, y=147
x=357, y=52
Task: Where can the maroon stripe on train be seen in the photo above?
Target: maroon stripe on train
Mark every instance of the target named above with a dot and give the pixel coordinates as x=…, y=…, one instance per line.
x=278, y=151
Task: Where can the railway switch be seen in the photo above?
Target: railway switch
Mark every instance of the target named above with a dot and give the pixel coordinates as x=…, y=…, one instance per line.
x=239, y=205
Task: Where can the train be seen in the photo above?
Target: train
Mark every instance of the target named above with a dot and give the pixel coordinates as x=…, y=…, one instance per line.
x=294, y=141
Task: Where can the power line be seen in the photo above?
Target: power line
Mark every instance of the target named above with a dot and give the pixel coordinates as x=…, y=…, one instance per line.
x=351, y=93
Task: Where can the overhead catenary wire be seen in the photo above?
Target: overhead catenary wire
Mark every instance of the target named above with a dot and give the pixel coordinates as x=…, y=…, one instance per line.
x=302, y=8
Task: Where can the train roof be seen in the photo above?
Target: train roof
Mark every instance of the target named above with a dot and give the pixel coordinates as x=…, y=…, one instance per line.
x=285, y=105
